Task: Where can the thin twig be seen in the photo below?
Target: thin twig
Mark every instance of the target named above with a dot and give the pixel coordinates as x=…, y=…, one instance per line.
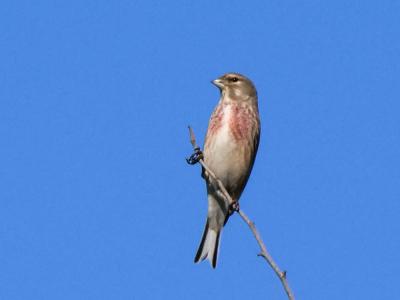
x=264, y=253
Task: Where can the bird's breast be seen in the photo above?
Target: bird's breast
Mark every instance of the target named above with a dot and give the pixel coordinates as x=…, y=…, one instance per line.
x=229, y=126
x=226, y=151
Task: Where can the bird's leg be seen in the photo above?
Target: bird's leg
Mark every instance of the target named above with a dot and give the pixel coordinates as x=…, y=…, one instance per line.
x=234, y=207
x=195, y=157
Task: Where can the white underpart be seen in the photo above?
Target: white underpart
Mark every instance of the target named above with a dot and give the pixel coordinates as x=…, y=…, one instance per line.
x=224, y=149
x=222, y=143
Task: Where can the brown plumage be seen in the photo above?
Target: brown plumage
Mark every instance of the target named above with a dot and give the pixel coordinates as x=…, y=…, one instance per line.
x=229, y=151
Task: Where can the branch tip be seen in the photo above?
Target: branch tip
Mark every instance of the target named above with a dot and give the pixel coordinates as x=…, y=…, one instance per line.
x=192, y=137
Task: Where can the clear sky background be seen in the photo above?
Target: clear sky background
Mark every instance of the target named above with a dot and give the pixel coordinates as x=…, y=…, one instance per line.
x=96, y=199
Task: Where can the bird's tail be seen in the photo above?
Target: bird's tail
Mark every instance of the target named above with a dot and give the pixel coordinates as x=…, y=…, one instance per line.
x=209, y=245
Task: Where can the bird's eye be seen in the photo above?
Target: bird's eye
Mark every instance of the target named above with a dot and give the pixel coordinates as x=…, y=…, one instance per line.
x=235, y=79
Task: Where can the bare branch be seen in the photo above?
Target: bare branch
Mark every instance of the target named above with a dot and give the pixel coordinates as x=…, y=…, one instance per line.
x=264, y=253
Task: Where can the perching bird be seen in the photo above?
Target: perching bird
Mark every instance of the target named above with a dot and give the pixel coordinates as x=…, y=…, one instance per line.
x=229, y=151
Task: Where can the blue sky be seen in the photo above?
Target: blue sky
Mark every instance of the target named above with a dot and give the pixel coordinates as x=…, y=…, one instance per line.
x=96, y=200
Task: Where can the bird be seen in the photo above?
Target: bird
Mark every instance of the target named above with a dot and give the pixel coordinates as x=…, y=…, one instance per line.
x=230, y=148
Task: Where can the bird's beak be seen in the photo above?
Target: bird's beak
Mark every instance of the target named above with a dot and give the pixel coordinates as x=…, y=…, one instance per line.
x=218, y=82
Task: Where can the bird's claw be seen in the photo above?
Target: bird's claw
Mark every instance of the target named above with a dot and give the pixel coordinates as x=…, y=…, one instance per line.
x=234, y=207
x=195, y=157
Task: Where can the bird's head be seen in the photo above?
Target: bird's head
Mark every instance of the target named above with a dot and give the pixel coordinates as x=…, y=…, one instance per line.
x=235, y=86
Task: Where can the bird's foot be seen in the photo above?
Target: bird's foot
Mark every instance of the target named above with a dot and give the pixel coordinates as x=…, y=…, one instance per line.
x=195, y=157
x=234, y=207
